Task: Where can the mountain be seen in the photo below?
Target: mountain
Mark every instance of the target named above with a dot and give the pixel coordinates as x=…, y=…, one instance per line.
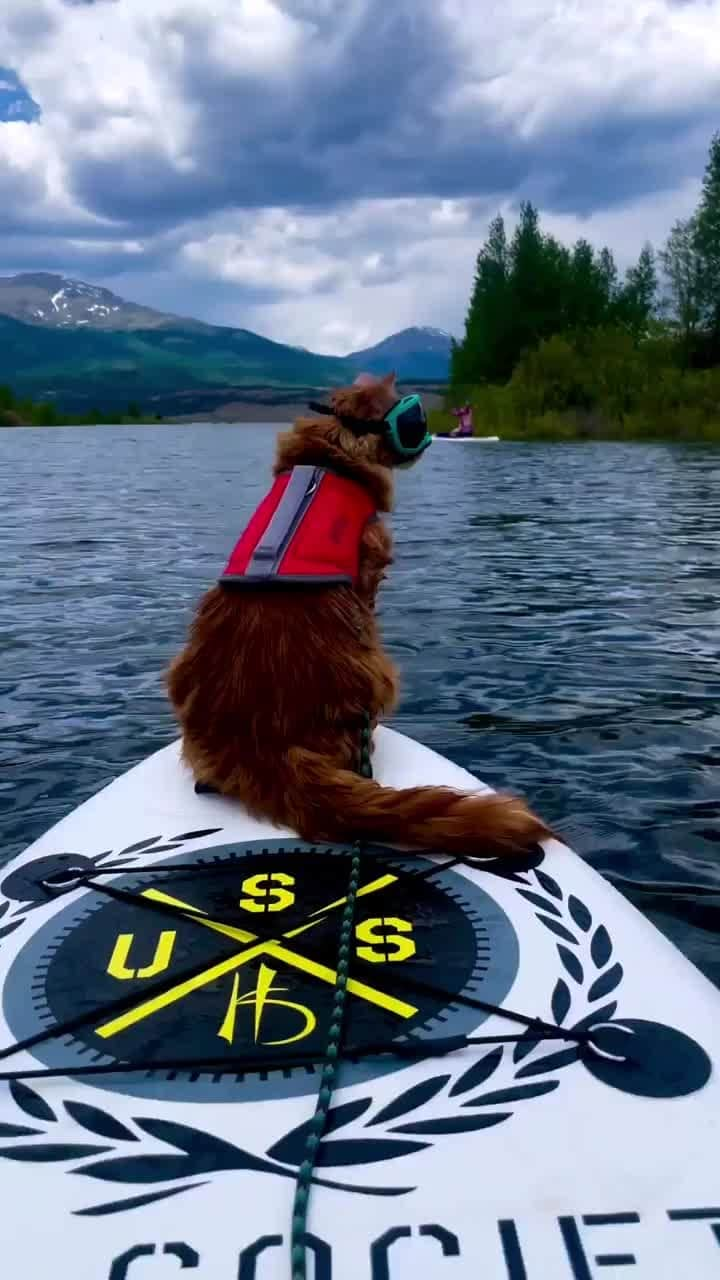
x=55, y=302
x=83, y=347
x=423, y=354
x=159, y=368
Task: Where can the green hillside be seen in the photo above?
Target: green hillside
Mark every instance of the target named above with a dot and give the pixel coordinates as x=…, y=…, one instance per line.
x=79, y=368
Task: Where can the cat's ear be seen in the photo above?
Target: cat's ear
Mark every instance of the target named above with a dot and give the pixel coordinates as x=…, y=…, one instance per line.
x=365, y=380
x=389, y=381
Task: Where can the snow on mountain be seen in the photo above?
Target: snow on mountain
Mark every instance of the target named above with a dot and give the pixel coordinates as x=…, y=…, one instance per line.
x=41, y=298
x=50, y=301
x=419, y=352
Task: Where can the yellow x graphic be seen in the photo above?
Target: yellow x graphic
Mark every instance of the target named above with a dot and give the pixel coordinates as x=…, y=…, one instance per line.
x=271, y=946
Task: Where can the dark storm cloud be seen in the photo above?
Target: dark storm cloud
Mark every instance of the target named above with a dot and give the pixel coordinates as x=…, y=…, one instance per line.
x=345, y=121
x=20, y=191
x=87, y=258
x=169, y=128
x=362, y=118
x=616, y=160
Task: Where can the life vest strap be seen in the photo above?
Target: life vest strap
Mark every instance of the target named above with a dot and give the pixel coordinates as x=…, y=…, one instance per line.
x=300, y=488
x=305, y=533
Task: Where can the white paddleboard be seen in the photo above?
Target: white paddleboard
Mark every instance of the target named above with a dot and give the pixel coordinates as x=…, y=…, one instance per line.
x=538, y=1159
x=468, y=439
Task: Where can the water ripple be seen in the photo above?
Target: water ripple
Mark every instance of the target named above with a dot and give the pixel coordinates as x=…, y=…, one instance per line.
x=554, y=610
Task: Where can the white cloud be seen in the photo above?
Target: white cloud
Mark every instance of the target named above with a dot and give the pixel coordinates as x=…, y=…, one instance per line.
x=626, y=228
x=450, y=213
x=129, y=248
x=541, y=62
x=265, y=262
x=433, y=266
x=33, y=180
x=253, y=34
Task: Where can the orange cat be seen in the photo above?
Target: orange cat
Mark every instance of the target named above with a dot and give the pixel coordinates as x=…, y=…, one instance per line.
x=284, y=659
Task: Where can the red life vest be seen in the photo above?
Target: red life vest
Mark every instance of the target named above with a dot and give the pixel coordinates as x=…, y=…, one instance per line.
x=306, y=531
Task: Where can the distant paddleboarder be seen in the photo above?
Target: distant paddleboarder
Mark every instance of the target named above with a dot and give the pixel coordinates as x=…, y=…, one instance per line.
x=465, y=424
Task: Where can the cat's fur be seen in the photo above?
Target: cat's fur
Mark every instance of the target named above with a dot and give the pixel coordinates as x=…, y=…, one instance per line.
x=272, y=686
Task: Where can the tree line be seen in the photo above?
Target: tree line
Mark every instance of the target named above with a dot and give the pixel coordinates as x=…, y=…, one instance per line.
x=18, y=411
x=557, y=342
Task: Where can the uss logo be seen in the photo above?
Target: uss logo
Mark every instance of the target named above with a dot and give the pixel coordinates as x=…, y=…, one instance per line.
x=231, y=953
x=378, y=940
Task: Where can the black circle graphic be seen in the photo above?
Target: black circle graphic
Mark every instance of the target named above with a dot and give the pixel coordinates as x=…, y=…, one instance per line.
x=419, y=943
x=647, y=1059
x=26, y=884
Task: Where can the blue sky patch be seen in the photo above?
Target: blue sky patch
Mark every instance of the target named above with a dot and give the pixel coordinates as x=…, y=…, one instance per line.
x=15, y=101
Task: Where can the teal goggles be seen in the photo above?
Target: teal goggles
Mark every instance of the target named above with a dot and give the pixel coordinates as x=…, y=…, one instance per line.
x=404, y=426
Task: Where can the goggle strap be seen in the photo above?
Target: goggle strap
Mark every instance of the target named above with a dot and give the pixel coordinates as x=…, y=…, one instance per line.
x=360, y=426
x=365, y=426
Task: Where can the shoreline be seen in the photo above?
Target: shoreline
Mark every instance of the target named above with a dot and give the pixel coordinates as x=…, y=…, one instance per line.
x=282, y=413
x=269, y=405
x=507, y=437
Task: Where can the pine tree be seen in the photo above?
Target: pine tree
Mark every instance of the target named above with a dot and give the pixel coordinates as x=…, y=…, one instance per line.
x=541, y=288
x=638, y=298
x=707, y=239
x=682, y=268
x=529, y=296
x=480, y=357
x=555, y=275
x=587, y=289
x=645, y=280
x=607, y=268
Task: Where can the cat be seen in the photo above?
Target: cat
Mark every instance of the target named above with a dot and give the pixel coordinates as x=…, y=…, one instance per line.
x=273, y=684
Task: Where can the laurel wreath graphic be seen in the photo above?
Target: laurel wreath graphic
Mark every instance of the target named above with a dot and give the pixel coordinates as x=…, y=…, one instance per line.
x=55, y=863
x=14, y=924
x=398, y=1129
x=30, y=892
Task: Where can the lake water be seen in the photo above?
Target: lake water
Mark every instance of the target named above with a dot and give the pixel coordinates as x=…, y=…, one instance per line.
x=553, y=608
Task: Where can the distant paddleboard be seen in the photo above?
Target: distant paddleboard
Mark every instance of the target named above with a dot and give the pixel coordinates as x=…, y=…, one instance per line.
x=468, y=439
x=533, y=1087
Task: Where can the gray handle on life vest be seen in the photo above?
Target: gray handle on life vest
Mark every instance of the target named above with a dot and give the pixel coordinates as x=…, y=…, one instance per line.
x=300, y=486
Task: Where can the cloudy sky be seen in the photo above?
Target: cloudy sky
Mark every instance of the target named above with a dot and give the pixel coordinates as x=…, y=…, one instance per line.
x=323, y=171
